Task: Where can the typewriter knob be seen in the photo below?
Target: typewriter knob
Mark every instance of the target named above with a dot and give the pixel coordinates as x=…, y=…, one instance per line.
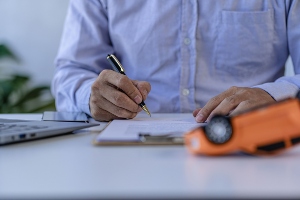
x=218, y=130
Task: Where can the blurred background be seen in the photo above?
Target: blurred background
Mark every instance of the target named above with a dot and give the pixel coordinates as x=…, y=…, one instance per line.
x=32, y=30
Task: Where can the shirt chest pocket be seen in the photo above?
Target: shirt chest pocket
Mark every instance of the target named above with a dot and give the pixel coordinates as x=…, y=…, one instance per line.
x=244, y=43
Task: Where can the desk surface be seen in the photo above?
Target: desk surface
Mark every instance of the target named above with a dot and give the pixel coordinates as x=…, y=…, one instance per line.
x=70, y=166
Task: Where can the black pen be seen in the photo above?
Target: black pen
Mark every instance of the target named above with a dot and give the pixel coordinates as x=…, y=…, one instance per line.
x=117, y=66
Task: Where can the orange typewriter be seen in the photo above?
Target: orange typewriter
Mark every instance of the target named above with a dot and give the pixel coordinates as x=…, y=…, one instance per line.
x=265, y=130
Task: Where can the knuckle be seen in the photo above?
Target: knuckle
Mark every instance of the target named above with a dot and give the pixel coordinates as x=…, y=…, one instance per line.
x=133, y=108
x=137, y=109
x=93, y=100
x=133, y=115
x=119, y=98
x=213, y=114
x=205, y=111
x=230, y=100
x=119, y=112
x=245, y=104
x=96, y=113
x=215, y=99
x=247, y=93
x=147, y=86
x=131, y=92
x=94, y=87
x=130, y=115
x=233, y=88
x=96, y=99
x=121, y=81
x=101, y=115
x=104, y=73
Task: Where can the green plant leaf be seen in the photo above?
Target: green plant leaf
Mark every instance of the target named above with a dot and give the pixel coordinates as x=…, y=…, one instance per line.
x=5, y=52
x=16, y=96
x=6, y=87
x=9, y=86
x=32, y=94
x=49, y=106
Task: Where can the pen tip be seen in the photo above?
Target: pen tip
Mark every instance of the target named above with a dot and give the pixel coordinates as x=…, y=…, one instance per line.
x=148, y=113
x=144, y=107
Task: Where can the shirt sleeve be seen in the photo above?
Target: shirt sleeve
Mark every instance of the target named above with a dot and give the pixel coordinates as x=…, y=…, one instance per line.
x=286, y=87
x=82, y=54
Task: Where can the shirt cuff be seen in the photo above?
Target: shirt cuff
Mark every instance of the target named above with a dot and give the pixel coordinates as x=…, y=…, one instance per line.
x=279, y=90
x=83, y=95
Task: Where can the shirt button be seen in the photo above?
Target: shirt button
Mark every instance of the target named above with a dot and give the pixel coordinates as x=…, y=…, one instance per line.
x=187, y=41
x=185, y=92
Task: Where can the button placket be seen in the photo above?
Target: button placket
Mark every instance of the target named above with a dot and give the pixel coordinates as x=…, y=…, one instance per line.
x=188, y=28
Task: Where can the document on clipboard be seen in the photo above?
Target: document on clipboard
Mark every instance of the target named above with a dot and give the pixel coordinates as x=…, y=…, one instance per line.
x=160, y=129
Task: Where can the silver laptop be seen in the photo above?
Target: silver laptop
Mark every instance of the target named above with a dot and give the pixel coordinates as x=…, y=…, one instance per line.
x=12, y=131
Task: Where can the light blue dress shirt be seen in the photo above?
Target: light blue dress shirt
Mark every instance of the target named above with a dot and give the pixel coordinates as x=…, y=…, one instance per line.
x=188, y=50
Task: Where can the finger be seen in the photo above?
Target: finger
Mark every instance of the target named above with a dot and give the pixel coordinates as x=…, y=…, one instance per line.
x=122, y=82
x=119, y=99
x=119, y=111
x=109, y=107
x=195, y=112
x=259, y=98
x=97, y=112
x=213, y=103
x=101, y=115
x=227, y=105
x=110, y=92
x=104, y=109
x=100, y=90
x=144, y=88
x=245, y=105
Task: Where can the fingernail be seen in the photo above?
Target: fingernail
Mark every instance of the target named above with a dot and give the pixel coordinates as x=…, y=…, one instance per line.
x=199, y=118
x=138, y=99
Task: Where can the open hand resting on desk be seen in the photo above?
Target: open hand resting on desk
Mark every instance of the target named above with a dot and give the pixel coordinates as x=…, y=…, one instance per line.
x=233, y=101
x=114, y=96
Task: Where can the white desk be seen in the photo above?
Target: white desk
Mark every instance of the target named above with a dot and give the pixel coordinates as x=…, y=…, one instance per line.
x=71, y=167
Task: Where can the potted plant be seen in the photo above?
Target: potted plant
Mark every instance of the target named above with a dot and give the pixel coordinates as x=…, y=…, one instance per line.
x=16, y=96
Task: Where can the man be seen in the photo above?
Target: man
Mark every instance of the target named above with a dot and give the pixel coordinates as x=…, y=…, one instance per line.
x=210, y=57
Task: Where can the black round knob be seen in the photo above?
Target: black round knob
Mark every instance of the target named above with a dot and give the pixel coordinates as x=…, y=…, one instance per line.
x=218, y=130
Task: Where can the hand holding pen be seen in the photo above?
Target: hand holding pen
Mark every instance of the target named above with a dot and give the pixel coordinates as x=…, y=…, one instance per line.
x=115, y=96
x=117, y=66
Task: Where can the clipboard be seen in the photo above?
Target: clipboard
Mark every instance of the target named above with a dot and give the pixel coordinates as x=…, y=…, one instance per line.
x=145, y=139
x=160, y=129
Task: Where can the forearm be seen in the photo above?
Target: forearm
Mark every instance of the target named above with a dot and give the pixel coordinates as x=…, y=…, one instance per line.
x=71, y=87
x=82, y=55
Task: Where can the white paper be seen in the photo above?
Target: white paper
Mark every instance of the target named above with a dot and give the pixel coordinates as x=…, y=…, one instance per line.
x=158, y=124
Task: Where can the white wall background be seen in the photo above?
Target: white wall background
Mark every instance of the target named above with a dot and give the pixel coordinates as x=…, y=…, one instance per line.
x=33, y=29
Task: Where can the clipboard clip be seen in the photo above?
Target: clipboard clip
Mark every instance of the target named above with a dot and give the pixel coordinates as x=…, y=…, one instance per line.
x=164, y=139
